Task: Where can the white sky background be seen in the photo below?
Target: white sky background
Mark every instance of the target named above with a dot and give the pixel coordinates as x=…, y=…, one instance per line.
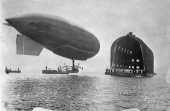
x=106, y=19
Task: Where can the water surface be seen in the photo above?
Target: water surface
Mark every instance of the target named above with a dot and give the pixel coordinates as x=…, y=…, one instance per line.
x=87, y=92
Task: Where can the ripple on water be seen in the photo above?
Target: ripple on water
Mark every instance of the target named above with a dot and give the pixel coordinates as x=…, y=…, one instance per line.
x=74, y=92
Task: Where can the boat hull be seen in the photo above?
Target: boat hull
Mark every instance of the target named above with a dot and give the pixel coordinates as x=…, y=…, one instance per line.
x=73, y=71
x=8, y=71
x=130, y=74
x=54, y=72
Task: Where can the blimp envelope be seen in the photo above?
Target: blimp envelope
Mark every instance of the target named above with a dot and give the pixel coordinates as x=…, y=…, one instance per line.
x=55, y=34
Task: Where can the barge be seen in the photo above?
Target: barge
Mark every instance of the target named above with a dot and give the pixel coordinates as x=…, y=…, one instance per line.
x=12, y=71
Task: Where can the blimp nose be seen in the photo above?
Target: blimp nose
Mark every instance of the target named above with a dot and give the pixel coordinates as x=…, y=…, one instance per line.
x=12, y=21
x=9, y=20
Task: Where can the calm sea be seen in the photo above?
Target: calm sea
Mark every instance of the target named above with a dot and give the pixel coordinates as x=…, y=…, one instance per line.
x=85, y=92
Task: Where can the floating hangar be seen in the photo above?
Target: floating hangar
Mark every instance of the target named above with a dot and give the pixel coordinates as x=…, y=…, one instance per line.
x=131, y=53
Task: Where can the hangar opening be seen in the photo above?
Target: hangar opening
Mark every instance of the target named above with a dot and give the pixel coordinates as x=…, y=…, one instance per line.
x=129, y=54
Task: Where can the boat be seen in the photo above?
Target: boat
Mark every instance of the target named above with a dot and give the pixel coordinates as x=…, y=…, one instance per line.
x=66, y=69
x=12, y=71
x=61, y=70
x=73, y=69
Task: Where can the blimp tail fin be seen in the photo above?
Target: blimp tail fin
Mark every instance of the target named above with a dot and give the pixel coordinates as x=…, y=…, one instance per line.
x=27, y=46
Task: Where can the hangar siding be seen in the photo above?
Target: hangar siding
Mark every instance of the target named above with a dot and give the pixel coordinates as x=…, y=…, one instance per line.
x=130, y=52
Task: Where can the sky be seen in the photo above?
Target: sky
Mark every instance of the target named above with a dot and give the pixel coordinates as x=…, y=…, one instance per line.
x=106, y=19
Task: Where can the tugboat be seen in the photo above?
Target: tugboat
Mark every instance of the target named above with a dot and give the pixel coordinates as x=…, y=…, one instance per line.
x=12, y=71
x=73, y=69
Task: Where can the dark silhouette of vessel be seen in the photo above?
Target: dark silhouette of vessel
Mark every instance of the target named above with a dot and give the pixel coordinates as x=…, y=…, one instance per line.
x=59, y=71
x=66, y=69
x=12, y=71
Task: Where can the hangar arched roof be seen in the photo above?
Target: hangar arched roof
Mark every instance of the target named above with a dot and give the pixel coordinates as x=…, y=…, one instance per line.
x=148, y=56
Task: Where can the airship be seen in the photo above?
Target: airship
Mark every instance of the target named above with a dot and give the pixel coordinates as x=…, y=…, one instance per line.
x=39, y=30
